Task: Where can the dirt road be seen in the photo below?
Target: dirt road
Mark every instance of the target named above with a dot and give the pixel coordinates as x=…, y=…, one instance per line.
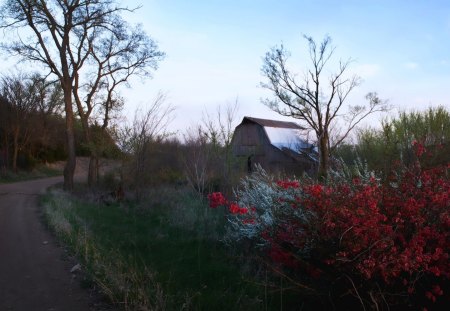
x=33, y=273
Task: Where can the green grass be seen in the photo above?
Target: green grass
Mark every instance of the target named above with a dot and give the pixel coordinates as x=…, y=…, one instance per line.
x=162, y=255
x=42, y=171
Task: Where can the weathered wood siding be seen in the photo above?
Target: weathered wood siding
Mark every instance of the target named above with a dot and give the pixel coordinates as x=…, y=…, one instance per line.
x=249, y=140
x=251, y=144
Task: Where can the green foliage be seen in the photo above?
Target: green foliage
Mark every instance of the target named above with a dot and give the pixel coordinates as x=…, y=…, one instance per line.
x=162, y=254
x=383, y=149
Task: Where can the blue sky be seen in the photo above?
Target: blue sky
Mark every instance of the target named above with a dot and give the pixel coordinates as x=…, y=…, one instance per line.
x=401, y=49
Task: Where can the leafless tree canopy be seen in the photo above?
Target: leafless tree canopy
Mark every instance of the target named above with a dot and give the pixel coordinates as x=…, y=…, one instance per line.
x=88, y=46
x=316, y=99
x=207, y=158
x=149, y=126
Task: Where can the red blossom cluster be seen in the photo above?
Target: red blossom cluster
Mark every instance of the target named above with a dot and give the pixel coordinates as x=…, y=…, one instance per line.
x=216, y=199
x=379, y=232
x=389, y=231
x=419, y=148
x=288, y=184
x=236, y=209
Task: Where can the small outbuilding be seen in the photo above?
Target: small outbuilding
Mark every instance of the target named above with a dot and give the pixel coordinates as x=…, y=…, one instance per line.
x=275, y=145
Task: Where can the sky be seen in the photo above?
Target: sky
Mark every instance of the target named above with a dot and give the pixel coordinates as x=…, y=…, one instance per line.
x=400, y=49
x=214, y=51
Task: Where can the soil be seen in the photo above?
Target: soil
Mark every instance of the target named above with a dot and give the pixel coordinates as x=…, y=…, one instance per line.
x=34, y=270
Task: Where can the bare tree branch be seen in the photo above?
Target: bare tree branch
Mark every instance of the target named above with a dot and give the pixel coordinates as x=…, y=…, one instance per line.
x=308, y=101
x=88, y=46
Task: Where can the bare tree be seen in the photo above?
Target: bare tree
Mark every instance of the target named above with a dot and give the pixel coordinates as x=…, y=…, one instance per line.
x=116, y=56
x=197, y=159
x=220, y=128
x=219, y=131
x=208, y=149
x=19, y=95
x=49, y=95
x=315, y=99
x=147, y=127
x=67, y=38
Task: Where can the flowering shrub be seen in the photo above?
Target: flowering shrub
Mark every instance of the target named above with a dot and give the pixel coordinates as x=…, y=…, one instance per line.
x=383, y=243
x=216, y=199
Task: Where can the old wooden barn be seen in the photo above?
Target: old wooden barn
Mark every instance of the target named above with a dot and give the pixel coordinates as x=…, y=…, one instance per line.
x=276, y=145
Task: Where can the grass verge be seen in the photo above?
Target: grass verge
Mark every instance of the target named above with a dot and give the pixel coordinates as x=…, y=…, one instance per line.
x=42, y=171
x=161, y=255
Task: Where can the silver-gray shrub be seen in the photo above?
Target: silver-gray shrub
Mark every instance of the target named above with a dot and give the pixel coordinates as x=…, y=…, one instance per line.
x=269, y=207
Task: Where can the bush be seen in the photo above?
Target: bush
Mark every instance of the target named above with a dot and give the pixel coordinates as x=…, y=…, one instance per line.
x=27, y=162
x=355, y=240
x=382, y=148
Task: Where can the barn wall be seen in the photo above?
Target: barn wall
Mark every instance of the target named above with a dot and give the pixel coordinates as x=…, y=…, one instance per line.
x=279, y=162
x=249, y=139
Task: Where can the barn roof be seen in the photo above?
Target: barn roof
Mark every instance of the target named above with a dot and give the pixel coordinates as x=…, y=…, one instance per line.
x=283, y=135
x=273, y=123
x=285, y=138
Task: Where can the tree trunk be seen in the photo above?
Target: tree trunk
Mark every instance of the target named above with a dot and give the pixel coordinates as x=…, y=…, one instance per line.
x=15, y=148
x=93, y=170
x=92, y=177
x=7, y=154
x=69, y=169
x=324, y=157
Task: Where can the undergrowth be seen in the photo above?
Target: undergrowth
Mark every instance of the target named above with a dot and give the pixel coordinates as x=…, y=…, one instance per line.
x=163, y=254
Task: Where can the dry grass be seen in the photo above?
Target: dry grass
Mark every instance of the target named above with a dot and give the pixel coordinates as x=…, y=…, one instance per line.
x=161, y=254
x=132, y=287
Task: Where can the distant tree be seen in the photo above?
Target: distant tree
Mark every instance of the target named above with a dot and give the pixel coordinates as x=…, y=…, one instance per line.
x=19, y=96
x=395, y=141
x=207, y=159
x=149, y=126
x=116, y=56
x=69, y=38
x=316, y=100
x=48, y=132
x=28, y=106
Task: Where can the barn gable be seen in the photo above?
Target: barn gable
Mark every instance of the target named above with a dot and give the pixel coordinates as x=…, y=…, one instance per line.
x=275, y=145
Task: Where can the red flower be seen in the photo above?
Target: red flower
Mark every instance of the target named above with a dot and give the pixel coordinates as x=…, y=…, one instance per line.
x=419, y=148
x=236, y=209
x=216, y=199
x=288, y=184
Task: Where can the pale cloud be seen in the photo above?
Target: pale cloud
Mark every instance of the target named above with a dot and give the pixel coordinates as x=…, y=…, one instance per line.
x=411, y=65
x=368, y=70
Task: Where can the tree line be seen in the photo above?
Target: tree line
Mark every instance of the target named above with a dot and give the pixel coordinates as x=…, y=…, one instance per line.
x=383, y=149
x=32, y=124
x=89, y=49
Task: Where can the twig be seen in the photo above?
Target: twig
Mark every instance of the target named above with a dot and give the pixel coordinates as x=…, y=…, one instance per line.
x=340, y=240
x=374, y=300
x=356, y=291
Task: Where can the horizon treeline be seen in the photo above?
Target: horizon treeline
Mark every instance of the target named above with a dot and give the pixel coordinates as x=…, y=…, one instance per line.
x=32, y=132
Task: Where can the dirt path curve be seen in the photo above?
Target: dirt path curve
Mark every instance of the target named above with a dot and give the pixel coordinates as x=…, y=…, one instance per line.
x=33, y=274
